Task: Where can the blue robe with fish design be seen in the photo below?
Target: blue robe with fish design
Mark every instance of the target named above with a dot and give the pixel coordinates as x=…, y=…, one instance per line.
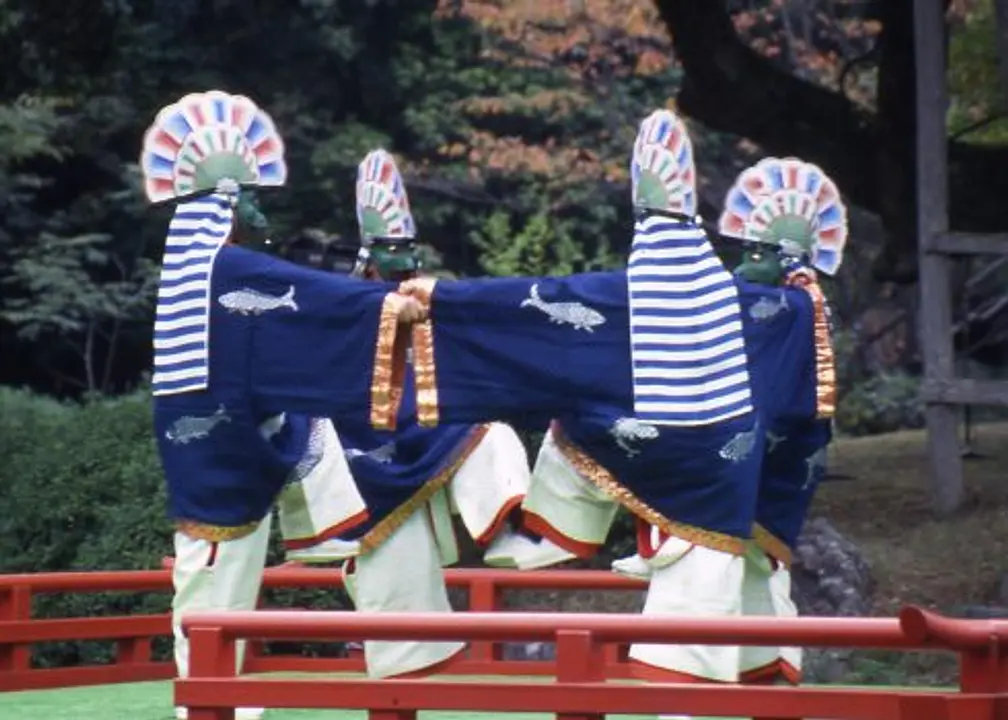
x=283, y=340
x=398, y=470
x=794, y=461
x=499, y=356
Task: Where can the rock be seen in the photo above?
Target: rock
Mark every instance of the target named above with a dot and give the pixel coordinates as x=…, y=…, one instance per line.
x=830, y=578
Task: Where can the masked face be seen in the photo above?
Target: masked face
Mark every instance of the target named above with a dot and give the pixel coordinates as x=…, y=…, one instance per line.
x=251, y=227
x=394, y=261
x=761, y=264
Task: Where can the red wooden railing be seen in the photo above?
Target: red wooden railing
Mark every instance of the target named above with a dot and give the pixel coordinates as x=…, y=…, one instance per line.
x=580, y=691
x=590, y=650
x=132, y=635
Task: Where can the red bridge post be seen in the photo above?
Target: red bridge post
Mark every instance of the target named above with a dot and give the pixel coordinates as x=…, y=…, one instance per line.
x=580, y=659
x=212, y=655
x=15, y=605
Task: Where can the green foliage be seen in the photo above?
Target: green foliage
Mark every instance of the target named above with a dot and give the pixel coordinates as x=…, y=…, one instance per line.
x=541, y=247
x=84, y=491
x=975, y=88
x=883, y=403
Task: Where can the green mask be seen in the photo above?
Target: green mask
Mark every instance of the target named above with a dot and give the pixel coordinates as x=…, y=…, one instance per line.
x=761, y=264
x=251, y=226
x=395, y=260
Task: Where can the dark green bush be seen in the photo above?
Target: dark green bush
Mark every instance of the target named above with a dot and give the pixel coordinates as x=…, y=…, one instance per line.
x=82, y=489
x=883, y=403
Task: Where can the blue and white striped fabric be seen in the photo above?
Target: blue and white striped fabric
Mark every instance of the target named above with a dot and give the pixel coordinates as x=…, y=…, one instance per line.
x=196, y=234
x=689, y=359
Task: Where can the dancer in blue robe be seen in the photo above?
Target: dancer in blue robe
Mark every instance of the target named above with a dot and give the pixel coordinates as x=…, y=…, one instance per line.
x=415, y=479
x=656, y=404
x=791, y=217
x=247, y=349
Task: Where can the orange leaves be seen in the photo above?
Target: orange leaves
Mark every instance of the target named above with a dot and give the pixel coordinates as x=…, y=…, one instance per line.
x=812, y=38
x=576, y=34
x=489, y=154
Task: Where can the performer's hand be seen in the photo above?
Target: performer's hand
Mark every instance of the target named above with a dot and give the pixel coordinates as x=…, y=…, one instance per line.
x=421, y=287
x=408, y=309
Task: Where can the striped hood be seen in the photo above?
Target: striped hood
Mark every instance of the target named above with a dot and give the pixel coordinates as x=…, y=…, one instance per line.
x=197, y=232
x=688, y=352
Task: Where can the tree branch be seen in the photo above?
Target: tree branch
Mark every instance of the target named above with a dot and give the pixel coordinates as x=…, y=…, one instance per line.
x=731, y=88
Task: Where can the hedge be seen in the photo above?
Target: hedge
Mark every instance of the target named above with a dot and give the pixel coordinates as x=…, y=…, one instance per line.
x=82, y=489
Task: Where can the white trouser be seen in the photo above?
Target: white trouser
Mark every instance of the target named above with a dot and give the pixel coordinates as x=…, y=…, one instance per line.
x=685, y=579
x=766, y=592
x=325, y=501
x=574, y=510
x=693, y=581
x=216, y=576
x=491, y=481
x=404, y=573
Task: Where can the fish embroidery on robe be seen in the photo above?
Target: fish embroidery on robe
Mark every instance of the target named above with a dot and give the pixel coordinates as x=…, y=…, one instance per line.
x=628, y=431
x=816, y=465
x=579, y=316
x=739, y=447
x=188, y=428
x=313, y=453
x=764, y=309
x=382, y=453
x=252, y=302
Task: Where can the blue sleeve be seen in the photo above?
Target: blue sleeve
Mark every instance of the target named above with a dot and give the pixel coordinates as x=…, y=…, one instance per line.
x=523, y=349
x=300, y=340
x=778, y=324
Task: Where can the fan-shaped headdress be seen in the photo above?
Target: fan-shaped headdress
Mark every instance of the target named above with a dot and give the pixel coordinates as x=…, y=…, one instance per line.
x=662, y=171
x=383, y=210
x=792, y=205
x=200, y=151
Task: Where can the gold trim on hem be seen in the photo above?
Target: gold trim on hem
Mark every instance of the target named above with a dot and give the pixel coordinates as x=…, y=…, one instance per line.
x=604, y=480
x=391, y=522
x=772, y=545
x=389, y=369
x=215, y=533
x=826, y=385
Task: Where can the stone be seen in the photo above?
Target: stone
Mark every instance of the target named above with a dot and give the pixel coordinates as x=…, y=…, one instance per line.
x=830, y=578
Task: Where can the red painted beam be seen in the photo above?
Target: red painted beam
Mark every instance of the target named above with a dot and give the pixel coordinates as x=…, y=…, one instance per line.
x=923, y=626
x=559, y=697
x=100, y=628
x=299, y=576
x=521, y=626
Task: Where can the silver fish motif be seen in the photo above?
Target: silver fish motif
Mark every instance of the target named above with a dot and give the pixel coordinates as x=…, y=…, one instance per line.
x=764, y=308
x=739, y=447
x=580, y=316
x=773, y=440
x=188, y=428
x=313, y=453
x=252, y=302
x=816, y=468
x=382, y=453
x=628, y=431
